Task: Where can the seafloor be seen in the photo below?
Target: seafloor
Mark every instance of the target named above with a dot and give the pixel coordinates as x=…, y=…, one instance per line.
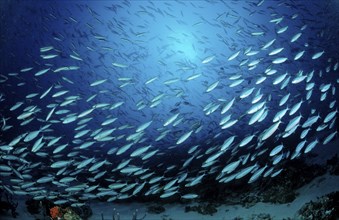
x=317, y=199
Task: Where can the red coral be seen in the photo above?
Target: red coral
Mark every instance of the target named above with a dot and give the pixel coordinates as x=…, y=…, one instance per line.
x=55, y=212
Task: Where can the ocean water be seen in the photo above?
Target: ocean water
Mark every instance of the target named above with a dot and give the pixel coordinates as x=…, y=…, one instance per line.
x=156, y=100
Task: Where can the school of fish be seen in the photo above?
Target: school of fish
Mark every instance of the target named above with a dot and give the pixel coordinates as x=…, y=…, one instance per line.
x=112, y=109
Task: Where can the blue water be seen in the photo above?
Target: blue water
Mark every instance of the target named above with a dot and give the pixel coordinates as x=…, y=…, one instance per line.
x=163, y=40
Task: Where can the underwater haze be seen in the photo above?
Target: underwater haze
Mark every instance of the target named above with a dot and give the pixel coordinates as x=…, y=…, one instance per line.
x=151, y=100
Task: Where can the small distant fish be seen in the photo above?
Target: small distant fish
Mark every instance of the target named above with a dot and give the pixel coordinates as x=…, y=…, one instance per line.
x=317, y=55
x=120, y=65
x=233, y=56
x=279, y=60
x=41, y=72
x=212, y=86
x=98, y=82
x=184, y=137
x=207, y=59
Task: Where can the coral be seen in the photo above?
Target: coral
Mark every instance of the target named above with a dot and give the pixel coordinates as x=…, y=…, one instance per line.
x=249, y=200
x=55, y=212
x=261, y=216
x=282, y=189
x=69, y=214
x=39, y=207
x=325, y=208
x=279, y=194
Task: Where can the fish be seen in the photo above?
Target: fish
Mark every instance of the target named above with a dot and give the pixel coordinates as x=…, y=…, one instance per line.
x=144, y=126
x=276, y=51
x=299, y=55
x=233, y=56
x=46, y=49
x=184, y=137
x=257, y=174
x=299, y=79
x=16, y=106
x=32, y=135
x=59, y=148
x=295, y=108
x=212, y=86
x=330, y=137
x=279, y=115
x=246, y=140
x=207, y=59
x=96, y=166
x=295, y=37
x=193, y=77
x=260, y=33
x=171, y=81
x=42, y=72
x=256, y=116
x=282, y=30
x=213, y=157
x=245, y=171
x=270, y=131
x=49, y=56
x=103, y=134
x=279, y=79
x=38, y=145
x=85, y=113
x=254, y=63
x=227, y=143
x=330, y=116
x=221, y=116
x=317, y=55
x=119, y=65
x=195, y=181
x=257, y=97
x=310, y=146
x=60, y=93
x=76, y=57
x=310, y=121
x=256, y=107
x=236, y=83
x=190, y=196
x=168, y=194
x=268, y=44
x=50, y=114
x=279, y=60
x=229, y=124
x=151, y=80
x=304, y=133
x=140, y=151
x=227, y=106
x=98, y=82
x=293, y=123
x=27, y=69
x=246, y=93
x=171, y=119
x=284, y=99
